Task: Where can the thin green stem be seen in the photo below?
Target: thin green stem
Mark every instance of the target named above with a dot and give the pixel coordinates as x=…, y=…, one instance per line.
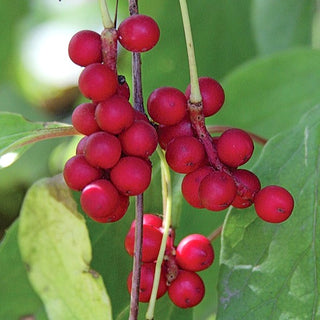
x=195, y=95
x=105, y=15
x=167, y=208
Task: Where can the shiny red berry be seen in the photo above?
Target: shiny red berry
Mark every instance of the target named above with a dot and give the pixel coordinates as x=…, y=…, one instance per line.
x=138, y=33
x=187, y=290
x=85, y=48
x=194, y=253
x=274, y=204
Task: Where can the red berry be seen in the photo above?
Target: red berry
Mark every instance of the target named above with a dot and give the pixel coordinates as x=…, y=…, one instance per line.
x=138, y=33
x=99, y=199
x=131, y=175
x=234, y=147
x=123, y=88
x=114, y=114
x=140, y=116
x=248, y=185
x=185, y=154
x=151, y=242
x=98, y=82
x=81, y=145
x=146, y=282
x=85, y=48
x=78, y=172
x=167, y=105
x=102, y=150
x=191, y=183
x=274, y=204
x=212, y=95
x=139, y=140
x=194, y=253
x=217, y=190
x=167, y=133
x=118, y=212
x=83, y=118
x=150, y=220
x=187, y=290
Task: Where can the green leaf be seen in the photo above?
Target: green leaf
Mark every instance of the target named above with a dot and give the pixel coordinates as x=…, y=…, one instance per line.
x=280, y=25
x=270, y=94
x=271, y=271
x=17, y=133
x=17, y=297
x=56, y=248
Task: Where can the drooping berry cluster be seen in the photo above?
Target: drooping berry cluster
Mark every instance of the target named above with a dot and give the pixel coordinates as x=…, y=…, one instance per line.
x=112, y=160
x=181, y=263
x=213, y=179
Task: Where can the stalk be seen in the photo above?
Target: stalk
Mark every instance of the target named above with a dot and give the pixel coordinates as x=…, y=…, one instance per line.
x=138, y=105
x=167, y=209
x=106, y=19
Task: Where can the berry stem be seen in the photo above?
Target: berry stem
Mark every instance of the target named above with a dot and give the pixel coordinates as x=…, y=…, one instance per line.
x=195, y=102
x=195, y=95
x=106, y=19
x=138, y=105
x=220, y=129
x=167, y=209
x=215, y=234
x=109, y=41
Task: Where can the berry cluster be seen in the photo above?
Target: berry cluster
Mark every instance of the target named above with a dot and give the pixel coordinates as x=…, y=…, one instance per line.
x=212, y=179
x=181, y=263
x=112, y=159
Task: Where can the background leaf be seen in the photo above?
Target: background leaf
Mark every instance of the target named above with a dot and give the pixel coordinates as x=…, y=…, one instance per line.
x=279, y=25
x=17, y=133
x=270, y=94
x=17, y=297
x=270, y=271
x=54, y=244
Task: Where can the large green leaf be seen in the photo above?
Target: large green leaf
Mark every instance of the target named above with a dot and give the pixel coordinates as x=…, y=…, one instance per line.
x=280, y=25
x=270, y=94
x=56, y=249
x=17, y=134
x=17, y=297
x=271, y=271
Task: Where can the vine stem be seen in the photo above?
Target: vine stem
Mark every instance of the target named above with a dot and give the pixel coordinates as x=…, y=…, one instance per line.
x=167, y=209
x=138, y=105
x=195, y=95
x=215, y=234
x=106, y=19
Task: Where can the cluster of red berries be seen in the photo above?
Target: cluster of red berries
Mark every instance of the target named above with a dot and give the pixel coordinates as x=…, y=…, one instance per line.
x=112, y=160
x=212, y=179
x=181, y=263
